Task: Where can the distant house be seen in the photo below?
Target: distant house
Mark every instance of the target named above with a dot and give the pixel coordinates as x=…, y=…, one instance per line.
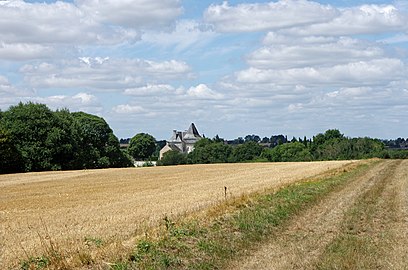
x=182, y=142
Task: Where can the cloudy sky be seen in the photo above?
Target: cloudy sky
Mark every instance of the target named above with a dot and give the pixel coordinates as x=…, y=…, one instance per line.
x=239, y=67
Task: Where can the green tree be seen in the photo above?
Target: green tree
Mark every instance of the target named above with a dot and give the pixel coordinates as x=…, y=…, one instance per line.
x=250, y=150
x=172, y=158
x=30, y=126
x=288, y=152
x=63, y=141
x=98, y=146
x=333, y=134
x=10, y=158
x=142, y=146
x=209, y=151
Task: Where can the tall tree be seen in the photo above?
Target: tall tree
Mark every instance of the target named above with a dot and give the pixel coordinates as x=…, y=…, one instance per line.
x=30, y=126
x=208, y=151
x=248, y=151
x=98, y=147
x=142, y=146
x=10, y=158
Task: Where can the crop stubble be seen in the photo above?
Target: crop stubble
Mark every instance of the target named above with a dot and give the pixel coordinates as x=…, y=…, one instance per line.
x=120, y=203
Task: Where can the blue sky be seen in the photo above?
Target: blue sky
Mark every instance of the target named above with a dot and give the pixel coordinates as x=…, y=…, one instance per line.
x=295, y=67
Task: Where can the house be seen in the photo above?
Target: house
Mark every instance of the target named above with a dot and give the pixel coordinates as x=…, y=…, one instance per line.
x=182, y=142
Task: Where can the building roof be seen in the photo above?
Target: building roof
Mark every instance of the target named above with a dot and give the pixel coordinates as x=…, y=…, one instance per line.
x=192, y=133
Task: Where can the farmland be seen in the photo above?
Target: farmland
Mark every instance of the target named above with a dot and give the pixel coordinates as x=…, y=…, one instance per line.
x=115, y=205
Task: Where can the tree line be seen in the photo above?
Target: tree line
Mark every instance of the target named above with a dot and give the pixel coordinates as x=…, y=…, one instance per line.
x=34, y=138
x=331, y=145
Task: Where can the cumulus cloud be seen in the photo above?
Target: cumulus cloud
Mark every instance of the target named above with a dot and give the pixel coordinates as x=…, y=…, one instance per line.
x=42, y=23
x=5, y=86
x=79, y=102
x=313, y=51
x=128, y=109
x=350, y=92
x=303, y=17
x=36, y=30
x=103, y=73
x=202, y=91
x=267, y=16
x=150, y=89
x=132, y=13
x=372, y=72
x=186, y=34
x=365, y=19
x=25, y=51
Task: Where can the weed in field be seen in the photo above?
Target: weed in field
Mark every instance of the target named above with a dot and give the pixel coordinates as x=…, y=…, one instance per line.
x=51, y=249
x=36, y=263
x=85, y=258
x=119, y=266
x=89, y=241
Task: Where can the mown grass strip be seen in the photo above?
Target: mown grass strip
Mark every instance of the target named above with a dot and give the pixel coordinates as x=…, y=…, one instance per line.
x=359, y=244
x=209, y=245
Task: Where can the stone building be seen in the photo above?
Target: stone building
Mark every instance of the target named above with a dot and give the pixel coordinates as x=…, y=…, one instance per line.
x=182, y=142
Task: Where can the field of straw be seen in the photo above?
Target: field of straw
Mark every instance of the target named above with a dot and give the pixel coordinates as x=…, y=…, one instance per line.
x=69, y=207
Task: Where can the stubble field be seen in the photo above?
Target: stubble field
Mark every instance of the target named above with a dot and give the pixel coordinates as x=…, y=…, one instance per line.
x=70, y=207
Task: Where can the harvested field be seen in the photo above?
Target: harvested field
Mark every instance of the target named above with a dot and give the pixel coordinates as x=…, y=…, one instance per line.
x=118, y=204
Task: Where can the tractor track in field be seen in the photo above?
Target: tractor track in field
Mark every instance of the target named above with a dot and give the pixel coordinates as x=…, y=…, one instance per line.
x=303, y=243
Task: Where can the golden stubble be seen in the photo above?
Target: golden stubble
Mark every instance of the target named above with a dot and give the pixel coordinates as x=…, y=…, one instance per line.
x=67, y=207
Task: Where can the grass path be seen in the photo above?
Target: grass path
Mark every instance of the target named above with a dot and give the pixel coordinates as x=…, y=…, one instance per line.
x=360, y=226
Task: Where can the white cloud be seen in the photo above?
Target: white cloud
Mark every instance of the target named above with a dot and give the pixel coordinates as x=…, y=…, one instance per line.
x=8, y=90
x=169, y=68
x=202, y=91
x=295, y=107
x=126, y=109
x=103, y=73
x=301, y=53
x=132, y=13
x=36, y=23
x=350, y=92
x=5, y=86
x=78, y=102
x=37, y=30
x=366, y=19
x=25, y=51
x=267, y=16
x=150, y=89
x=186, y=34
x=307, y=18
x=372, y=72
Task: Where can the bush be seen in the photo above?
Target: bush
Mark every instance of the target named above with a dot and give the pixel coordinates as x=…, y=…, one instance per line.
x=172, y=158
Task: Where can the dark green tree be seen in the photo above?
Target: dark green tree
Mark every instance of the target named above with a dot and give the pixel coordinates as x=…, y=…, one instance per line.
x=10, y=158
x=295, y=151
x=252, y=138
x=63, y=141
x=142, y=146
x=250, y=150
x=30, y=127
x=208, y=151
x=172, y=158
x=98, y=146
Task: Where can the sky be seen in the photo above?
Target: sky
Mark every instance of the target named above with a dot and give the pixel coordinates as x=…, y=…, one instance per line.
x=292, y=67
